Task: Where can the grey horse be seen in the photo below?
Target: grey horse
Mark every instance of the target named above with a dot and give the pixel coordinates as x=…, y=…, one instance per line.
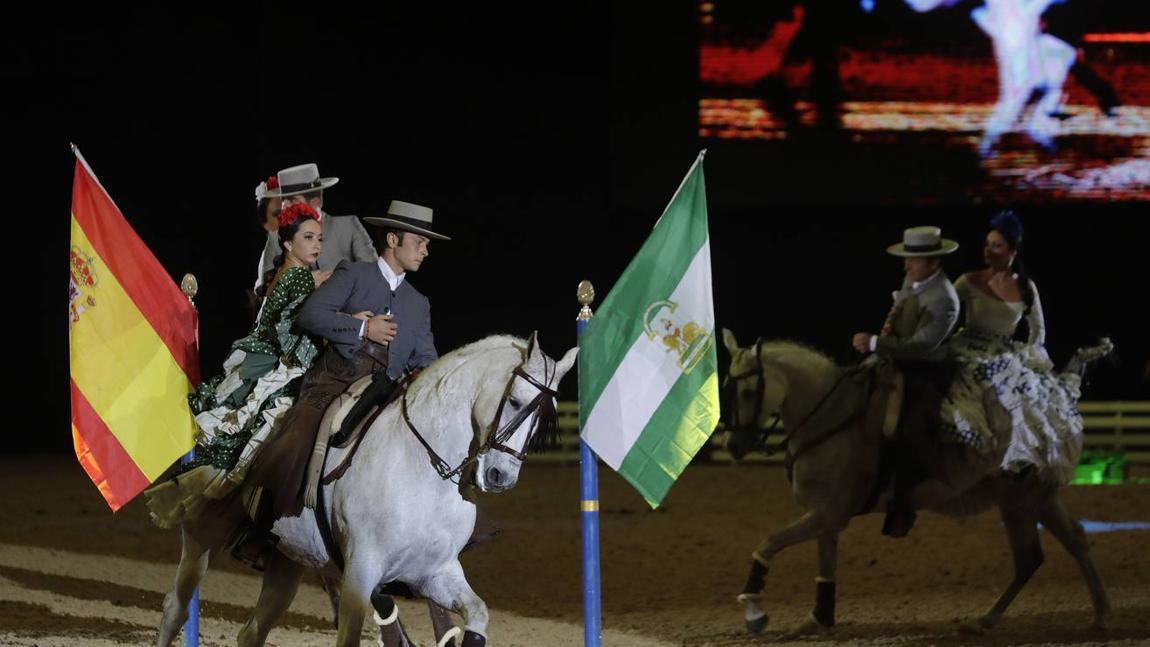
x=833, y=477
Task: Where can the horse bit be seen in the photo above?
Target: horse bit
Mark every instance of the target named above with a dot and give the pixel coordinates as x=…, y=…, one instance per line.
x=495, y=439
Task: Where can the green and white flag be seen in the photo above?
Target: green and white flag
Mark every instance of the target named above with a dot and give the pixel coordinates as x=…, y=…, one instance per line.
x=648, y=379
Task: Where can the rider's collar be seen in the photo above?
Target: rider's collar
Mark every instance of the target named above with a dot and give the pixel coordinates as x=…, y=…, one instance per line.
x=389, y=274
x=915, y=285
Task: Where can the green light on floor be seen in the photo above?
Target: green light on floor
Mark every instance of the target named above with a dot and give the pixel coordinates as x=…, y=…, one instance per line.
x=1097, y=468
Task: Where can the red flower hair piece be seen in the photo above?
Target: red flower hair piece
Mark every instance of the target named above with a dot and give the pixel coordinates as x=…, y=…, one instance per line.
x=273, y=182
x=291, y=213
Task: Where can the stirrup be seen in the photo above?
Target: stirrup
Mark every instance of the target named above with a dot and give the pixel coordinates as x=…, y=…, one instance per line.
x=253, y=546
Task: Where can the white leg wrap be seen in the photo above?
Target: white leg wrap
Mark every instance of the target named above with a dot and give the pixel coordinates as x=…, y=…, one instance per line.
x=455, y=632
x=752, y=611
x=390, y=619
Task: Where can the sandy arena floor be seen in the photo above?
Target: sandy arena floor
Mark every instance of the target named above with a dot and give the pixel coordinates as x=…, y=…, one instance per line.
x=72, y=573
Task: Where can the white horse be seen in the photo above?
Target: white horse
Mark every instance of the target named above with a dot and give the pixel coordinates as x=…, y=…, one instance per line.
x=833, y=476
x=398, y=513
x=1029, y=61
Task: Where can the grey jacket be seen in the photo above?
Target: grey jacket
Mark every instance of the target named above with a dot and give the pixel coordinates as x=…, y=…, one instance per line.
x=344, y=239
x=924, y=317
x=355, y=287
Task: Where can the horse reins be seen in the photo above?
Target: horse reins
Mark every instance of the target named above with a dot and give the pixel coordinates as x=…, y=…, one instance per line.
x=495, y=439
x=761, y=398
x=830, y=432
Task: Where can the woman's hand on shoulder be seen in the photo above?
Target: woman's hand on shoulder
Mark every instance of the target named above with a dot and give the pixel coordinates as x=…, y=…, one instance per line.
x=320, y=276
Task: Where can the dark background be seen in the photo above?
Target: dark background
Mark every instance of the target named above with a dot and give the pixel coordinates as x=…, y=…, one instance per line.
x=548, y=137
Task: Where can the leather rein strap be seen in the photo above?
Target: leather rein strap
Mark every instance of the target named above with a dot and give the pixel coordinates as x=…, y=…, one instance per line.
x=494, y=439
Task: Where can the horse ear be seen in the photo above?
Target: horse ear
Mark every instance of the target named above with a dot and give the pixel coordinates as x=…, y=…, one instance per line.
x=532, y=343
x=729, y=340
x=566, y=363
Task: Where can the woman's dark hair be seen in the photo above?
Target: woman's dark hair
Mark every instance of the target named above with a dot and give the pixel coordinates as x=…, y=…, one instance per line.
x=1010, y=226
x=262, y=211
x=286, y=233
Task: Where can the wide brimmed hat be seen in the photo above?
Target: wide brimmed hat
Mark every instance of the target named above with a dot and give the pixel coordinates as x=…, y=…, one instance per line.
x=922, y=241
x=408, y=217
x=300, y=179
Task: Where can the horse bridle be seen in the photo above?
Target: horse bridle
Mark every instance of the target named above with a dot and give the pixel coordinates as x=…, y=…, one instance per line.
x=731, y=388
x=760, y=397
x=544, y=401
x=495, y=438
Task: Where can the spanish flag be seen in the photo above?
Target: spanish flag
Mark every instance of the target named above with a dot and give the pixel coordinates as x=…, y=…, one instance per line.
x=133, y=349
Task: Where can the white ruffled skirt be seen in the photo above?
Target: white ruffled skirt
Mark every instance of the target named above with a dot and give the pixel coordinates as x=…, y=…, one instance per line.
x=1007, y=399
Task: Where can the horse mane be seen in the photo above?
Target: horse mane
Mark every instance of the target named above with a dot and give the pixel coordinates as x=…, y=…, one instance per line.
x=447, y=364
x=547, y=434
x=489, y=343
x=790, y=348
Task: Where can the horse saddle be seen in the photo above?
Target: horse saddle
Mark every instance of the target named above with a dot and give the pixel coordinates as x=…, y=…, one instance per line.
x=344, y=423
x=872, y=392
x=338, y=410
x=885, y=404
x=348, y=422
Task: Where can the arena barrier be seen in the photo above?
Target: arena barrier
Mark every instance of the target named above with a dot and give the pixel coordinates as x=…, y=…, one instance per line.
x=1112, y=428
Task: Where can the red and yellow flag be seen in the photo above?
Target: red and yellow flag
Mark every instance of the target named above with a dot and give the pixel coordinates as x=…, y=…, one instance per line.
x=133, y=350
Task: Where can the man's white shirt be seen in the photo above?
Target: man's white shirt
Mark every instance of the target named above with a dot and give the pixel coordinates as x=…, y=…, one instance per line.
x=914, y=286
x=392, y=279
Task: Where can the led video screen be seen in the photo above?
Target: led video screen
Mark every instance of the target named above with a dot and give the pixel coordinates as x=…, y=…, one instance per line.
x=1007, y=100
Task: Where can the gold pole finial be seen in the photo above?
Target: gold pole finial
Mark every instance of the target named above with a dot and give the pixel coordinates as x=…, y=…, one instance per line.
x=586, y=294
x=189, y=287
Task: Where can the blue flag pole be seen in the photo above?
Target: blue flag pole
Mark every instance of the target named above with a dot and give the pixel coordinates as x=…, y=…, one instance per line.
x=589, y=504
x=192, y=626
x=189, y=287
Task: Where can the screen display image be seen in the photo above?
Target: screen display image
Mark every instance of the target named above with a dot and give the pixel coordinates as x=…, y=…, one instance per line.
x=1033, y=101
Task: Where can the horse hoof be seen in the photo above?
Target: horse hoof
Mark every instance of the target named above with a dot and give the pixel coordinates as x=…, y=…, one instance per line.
x=756, y=626
x=1101, y=623
x=809, y=628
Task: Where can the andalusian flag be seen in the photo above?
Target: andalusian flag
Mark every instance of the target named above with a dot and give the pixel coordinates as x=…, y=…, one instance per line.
x=132, y=352
x=648, y=380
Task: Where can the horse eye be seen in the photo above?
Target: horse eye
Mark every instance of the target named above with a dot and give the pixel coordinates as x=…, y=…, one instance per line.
x=514, y=402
